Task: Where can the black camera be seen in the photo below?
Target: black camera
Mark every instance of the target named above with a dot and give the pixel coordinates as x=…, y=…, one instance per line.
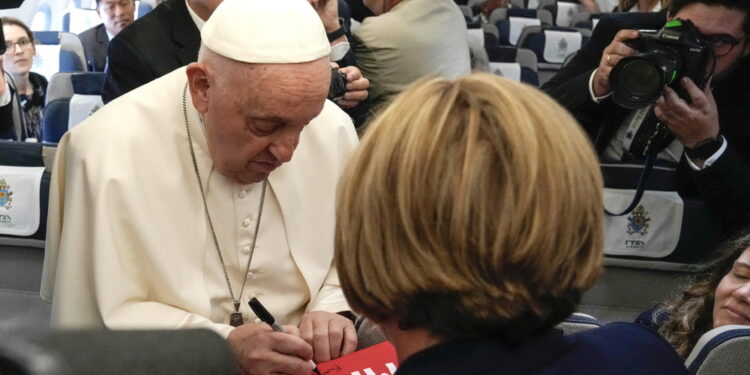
x=677, y=50
x=338, y=85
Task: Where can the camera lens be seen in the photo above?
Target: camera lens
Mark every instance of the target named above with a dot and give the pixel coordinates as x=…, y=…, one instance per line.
x=641, y=79
x=638, y=80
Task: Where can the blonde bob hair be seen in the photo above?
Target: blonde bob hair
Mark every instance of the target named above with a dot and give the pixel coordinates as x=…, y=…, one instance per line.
x=471, y=207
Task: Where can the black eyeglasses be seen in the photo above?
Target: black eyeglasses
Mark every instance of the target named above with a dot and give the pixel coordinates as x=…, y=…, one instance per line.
x=722, y=44
x=10, y=47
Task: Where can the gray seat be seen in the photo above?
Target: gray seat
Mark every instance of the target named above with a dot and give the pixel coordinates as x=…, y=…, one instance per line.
x=491, y=29
x=535, y=39
x=22, y=311
x=466, y=11
x=71, y=55
x=629, y=287
x=368, y=333
x=578, y=322
x=721, y=351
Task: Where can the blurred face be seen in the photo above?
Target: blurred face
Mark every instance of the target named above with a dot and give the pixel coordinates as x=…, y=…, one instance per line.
x=116, y=14
x=254, y=117
x=19, y=55
x=732, y=300
x=721, y=24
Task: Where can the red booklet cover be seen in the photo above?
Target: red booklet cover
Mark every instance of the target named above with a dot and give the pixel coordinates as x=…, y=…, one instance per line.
x=379, y=359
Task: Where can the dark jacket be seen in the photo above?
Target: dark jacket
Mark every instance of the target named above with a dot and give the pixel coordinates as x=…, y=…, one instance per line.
x=615, y=349
x=95, y=42
x=19, y=121
x=725, y=185
x=152, y=46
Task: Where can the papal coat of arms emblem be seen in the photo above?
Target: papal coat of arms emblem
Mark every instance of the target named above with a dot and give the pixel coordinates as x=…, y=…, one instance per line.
x=563, y=46
x=6, y=195
x=638, y=221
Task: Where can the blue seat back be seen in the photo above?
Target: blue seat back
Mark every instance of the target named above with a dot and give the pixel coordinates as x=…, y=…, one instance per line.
x=61, y=89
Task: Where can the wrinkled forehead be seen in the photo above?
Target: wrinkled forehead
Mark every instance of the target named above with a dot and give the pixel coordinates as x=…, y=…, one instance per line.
x=297, y=90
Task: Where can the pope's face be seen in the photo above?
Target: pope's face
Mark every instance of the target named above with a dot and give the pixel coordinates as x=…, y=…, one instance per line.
x=255, y=115
x=732, y=298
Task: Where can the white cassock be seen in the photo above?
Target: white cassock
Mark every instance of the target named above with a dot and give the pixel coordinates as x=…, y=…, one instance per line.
x=128, y=244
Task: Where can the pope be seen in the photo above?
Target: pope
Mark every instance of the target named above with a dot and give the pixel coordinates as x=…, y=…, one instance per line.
x=175, y=204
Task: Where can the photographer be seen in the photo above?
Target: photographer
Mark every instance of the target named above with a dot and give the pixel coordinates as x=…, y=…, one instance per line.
x=712, y=137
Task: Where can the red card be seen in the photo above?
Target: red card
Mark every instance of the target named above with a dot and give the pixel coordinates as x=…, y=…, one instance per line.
x=380, y=359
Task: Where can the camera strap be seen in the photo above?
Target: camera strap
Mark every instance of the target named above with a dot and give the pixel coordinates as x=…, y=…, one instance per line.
x=640, y=188
x=659, y=137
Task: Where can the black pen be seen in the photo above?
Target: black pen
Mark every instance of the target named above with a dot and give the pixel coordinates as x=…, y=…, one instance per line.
x=267, y=318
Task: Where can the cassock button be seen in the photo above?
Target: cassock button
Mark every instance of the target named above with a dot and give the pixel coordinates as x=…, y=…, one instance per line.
x=243, y=193
x=246, y=250
x=246, y=222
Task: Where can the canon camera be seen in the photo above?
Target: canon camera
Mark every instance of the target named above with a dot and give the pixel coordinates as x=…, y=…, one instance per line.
x=665, y=56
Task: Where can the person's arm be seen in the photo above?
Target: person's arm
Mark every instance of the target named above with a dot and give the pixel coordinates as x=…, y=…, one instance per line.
x=583, y=84
x=723, y=178
x=97, y=264
x=126, y=70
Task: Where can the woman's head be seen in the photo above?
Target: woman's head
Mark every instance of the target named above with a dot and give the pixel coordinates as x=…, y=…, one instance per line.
x=471, y=207
x=719, y=296
x=19, y=41
x=732, y=295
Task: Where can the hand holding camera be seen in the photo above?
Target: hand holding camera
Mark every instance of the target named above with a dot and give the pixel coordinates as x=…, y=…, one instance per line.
x=348, y=86
x=612, y=55
x=670, y=68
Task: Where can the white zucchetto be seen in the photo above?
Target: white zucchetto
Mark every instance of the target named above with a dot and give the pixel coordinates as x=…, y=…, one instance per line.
x=266, y=31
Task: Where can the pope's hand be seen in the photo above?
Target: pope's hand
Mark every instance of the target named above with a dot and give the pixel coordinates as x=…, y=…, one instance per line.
x=331, y=335
x=260, y=350
x=356, y=87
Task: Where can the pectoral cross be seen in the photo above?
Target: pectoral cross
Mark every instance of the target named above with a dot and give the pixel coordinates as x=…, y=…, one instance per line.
x=235, y=318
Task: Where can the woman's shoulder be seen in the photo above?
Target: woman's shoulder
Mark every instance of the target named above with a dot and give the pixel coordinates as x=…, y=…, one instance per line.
x=38, y=80
x=630, y=348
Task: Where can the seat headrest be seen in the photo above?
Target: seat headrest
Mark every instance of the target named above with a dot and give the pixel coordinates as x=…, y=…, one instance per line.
x=721, y=351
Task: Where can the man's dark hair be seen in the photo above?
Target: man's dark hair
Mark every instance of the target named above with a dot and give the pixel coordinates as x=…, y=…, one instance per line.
x=740, y=5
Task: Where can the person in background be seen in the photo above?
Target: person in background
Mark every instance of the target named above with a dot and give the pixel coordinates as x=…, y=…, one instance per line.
x=717, y=297
x=22, y=91
x=711, y=145
x=485, y=9
x=424, y=250
x=642, y=5
x=407, y=40
x=115, y=15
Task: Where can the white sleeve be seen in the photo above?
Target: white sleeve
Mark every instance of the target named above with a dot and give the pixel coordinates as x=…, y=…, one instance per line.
x=712, y=159
x=594, y=98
